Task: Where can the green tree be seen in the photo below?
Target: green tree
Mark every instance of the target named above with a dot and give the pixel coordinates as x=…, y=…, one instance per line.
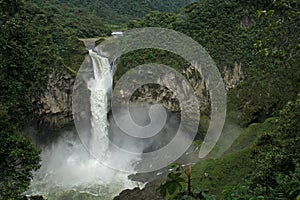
x=19, y=76
x=18, y=158
x=22, y=74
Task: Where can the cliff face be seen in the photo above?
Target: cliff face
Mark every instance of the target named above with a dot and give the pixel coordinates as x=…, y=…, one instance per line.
x=55, y=105
x=232, y=76
x=160, y=94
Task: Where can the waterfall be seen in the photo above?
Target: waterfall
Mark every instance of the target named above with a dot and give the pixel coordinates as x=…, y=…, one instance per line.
x=100, y=86
x=68, y=170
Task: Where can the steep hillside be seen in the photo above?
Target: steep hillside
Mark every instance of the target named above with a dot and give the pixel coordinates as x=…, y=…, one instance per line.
x=234, y=34
x=117, y=11
x=136, y=9
x=263, y=38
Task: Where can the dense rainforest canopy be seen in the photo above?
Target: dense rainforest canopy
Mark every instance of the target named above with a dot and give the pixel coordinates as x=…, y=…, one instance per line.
x=39, y=37
x=115, y=11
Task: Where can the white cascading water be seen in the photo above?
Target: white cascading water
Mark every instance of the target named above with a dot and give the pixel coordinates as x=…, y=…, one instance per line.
x=68, y=170
x=99, y=87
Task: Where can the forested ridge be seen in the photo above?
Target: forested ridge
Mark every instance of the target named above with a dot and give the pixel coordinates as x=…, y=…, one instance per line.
x=115, y=11
x=39, y=37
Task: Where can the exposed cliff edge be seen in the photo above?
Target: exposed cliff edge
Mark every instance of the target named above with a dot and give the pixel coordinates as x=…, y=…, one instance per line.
x=159, y=94
x=55, y=105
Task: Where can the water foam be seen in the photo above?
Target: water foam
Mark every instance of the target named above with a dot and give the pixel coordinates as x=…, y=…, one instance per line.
x=69, y=168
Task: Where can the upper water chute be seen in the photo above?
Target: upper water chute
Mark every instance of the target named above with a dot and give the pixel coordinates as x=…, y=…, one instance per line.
x=102, y=71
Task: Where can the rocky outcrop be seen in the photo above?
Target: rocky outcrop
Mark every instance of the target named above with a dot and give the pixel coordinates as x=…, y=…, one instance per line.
x=232, y=75
x=55, y=103
x=247, y=21
x=149, y=192
x=160, y=94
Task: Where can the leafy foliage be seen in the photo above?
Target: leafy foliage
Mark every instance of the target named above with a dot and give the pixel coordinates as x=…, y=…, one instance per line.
x=117, y=11
x=63, y=19
x=144, y=56
x=18, y=158
x=278, y=53
x=34, y=42
x=276, y=157
x=178, y=185
x=21, y=77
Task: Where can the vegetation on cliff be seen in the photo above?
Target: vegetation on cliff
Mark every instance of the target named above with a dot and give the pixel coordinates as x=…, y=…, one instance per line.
x=110, y=12
x=249, y=33
x=263, y=37
x=263, y=163
x=18, y=158
x=38, y=38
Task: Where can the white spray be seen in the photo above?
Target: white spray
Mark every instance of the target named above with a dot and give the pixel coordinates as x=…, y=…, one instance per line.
x=67, y=165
